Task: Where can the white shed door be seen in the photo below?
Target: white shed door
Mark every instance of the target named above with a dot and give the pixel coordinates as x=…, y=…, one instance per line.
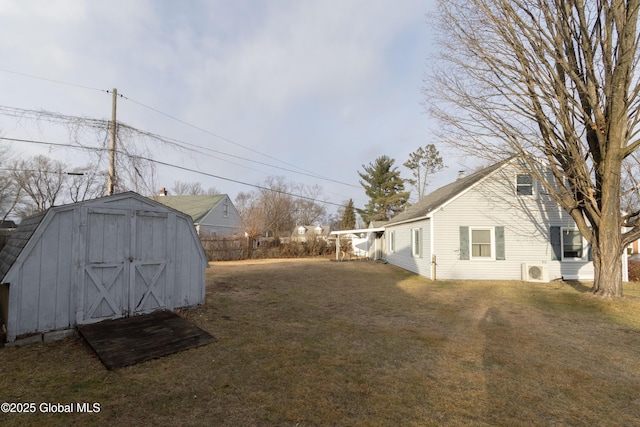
x=104, y=273
x=125, y=268
x=149, y=263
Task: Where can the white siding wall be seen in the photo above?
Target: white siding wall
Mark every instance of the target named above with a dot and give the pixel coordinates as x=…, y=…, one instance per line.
x=403, y=255
x=493, y=203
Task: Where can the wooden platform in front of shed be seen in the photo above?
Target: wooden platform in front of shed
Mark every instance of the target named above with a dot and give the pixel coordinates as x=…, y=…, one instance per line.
x=131, y=340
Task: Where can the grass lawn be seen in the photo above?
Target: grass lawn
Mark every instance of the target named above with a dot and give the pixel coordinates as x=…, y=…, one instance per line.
x=320, y=343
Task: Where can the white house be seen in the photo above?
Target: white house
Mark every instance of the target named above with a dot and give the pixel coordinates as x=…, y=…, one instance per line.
x=497, y=223
x=100, y=259
x=211, y=214
x=307, y=233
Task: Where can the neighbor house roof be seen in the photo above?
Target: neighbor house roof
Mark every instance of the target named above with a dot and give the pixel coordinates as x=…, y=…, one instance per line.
x=197, y=207
x=443, y=194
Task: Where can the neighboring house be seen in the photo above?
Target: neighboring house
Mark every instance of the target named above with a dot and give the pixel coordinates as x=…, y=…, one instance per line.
x=497, y=223
x=106, y=258
x=306, y=233
x=212, y=214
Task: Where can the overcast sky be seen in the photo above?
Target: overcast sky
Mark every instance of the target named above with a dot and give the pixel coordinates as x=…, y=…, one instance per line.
x=317, y=86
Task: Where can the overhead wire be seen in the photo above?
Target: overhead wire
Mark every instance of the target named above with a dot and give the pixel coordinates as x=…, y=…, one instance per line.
x=55, y=144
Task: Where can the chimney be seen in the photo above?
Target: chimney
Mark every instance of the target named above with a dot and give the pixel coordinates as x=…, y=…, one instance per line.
x=461, y=175
x=163, y=192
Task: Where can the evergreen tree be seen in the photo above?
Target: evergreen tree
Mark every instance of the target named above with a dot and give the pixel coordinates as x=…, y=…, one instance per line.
x=423, y=162
x=382, y=183
x=348, y=220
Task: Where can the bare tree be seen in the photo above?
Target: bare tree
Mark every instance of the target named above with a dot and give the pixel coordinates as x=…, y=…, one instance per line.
x=85, y=183
x=10, y=192
x=191, y=189
x=307, y=209
x=555, y=83
x=41, y=179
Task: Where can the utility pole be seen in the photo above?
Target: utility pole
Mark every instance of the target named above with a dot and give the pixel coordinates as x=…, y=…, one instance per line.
x=112, y=146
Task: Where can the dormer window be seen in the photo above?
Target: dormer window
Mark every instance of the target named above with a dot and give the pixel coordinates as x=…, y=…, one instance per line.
x=302, y=230
x=524, y=184
x=318, y=230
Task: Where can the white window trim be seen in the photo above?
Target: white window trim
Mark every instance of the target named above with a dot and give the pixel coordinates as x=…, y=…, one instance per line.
x=492, y=233
x=585, y=246
x=533, y=186
x=415, y=250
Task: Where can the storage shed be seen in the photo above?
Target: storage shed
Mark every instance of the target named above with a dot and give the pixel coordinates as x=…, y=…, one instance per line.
x=99, y=259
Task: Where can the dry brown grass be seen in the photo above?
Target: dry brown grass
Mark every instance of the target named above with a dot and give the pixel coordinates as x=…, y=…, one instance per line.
x=315, y=343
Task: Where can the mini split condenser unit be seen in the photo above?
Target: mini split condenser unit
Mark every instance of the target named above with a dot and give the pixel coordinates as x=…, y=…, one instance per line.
x=535, y=273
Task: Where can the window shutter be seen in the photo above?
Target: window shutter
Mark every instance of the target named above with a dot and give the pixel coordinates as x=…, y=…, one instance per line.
x=589, y=253
x=421, y=243
x=500, y=255
x=556, y=244
x=464, y=242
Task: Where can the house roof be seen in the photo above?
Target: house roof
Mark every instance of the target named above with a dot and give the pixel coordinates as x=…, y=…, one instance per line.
x=442, y=195
x=197, y=207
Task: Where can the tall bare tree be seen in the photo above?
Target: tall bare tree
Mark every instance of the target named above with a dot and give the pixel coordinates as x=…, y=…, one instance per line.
x=41, y=179
x=85, y=183
x=555, y=82
x=10, y=191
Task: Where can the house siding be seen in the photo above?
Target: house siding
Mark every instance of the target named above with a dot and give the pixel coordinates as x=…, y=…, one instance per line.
x=215, y=222
x=492, y=203
x=403, y=254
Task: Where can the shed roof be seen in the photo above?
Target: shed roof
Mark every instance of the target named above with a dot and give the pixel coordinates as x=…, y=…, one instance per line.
x=18, y=241
x=197, y=207
x=443, y=194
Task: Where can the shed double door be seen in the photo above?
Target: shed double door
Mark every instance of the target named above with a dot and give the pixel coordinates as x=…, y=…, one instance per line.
x=125, y=264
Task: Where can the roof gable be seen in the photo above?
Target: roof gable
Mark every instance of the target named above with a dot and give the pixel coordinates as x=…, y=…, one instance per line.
x=445, y=194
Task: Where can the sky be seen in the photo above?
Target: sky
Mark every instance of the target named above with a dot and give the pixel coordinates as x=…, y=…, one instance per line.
x=305, y=89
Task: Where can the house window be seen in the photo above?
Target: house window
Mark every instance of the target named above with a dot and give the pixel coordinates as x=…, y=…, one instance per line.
x=302, y=230
x=482, y=243
x=415, y=242
x=524, y=185
x=226, y=208
x=318, y=230
x=574, y=246
x=392, y=241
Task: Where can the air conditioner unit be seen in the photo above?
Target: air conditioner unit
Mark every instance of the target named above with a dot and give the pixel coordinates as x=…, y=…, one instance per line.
x=535, y=273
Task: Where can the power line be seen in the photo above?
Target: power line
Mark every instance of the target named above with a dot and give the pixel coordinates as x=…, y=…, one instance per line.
x=51, y=80
x=173, y=166
x=103, y=124
x=307, y=172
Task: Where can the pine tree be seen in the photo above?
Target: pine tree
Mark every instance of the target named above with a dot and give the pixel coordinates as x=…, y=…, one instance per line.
x=423, y=162
x=348, y=220
x=382, y=183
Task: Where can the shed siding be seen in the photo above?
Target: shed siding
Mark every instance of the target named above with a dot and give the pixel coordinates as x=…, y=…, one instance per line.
x=46, y=281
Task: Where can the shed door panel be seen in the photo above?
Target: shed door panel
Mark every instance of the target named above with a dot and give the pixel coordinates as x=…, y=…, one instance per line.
x=105, y=278
x=149, y=267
